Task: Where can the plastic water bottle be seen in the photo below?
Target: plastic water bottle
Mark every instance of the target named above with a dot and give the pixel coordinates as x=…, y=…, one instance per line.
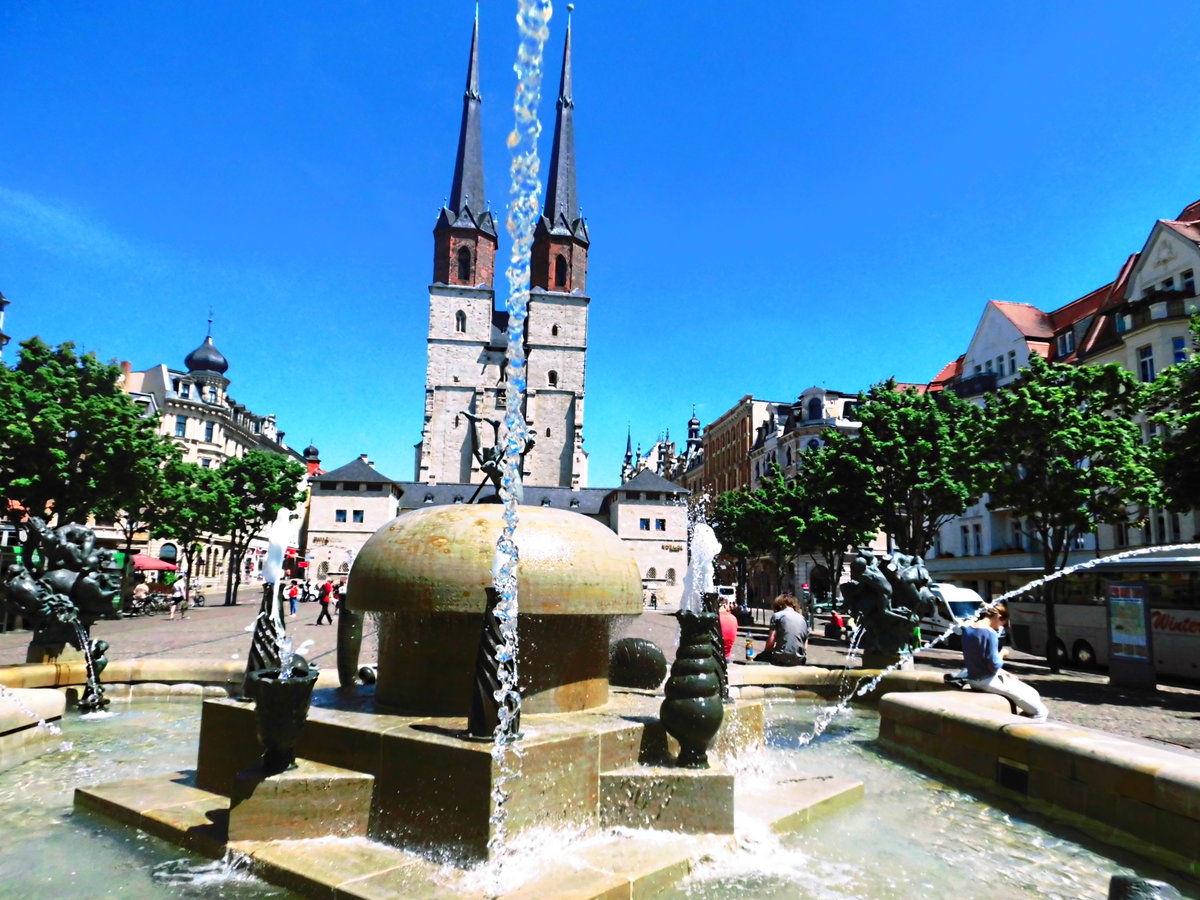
x=749, y=650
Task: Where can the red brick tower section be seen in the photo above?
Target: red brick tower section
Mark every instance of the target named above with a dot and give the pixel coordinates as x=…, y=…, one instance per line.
x=464, y=237
x=560, y=241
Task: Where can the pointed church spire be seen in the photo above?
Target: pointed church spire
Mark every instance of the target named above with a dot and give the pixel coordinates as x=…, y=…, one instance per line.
x=466, y=193
x=465, y=233
x=562, y=207
x=559, y=257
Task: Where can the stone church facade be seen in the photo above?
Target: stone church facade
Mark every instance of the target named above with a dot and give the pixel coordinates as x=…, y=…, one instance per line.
x=467, y=371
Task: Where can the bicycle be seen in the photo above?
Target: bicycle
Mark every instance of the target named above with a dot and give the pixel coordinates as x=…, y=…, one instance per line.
x=195, y=594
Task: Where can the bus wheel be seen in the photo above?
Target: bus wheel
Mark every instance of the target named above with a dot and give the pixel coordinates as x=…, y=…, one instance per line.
x=1060, y=650
x=1083, y=654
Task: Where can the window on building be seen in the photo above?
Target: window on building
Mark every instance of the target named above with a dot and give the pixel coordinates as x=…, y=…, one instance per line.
x=1121, y=535
x=547, y=432
x=966, y=540
x=651, y=495
x=651, y=573
x=552, y=378
x=357, y=516
x=1012, y=362
x=979, y=370
x=554, y=331
x=788, y=456
x=660, y=524
x=185, y=390
x=999, y=365
x=560, y=271
x=339, y=515
x=208, y=431
x=813, y=444
x=350, y=486
x=987, y=366
x=643, y=524
x=815, y=410
x=670, y=576
x=1145, y=362
x=1066, y=343
x=1018, y=537
x=977, y=539
x=1168, y=284
x=212, y=393
x=181, y=426
x=1188, y=279
x=464, y=264
x=206, y=463
x=1175, y=529
x=1178, y=349
x=460, y=321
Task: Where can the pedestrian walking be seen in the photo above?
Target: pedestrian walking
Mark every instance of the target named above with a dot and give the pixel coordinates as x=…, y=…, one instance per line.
x=325, y=597
x=178, y=600
x=293, y=596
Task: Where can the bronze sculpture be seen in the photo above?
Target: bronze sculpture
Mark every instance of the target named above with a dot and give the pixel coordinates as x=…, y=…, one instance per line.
x=888, y=594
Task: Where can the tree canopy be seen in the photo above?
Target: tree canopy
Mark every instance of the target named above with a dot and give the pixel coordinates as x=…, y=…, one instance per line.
x=72, y=443
x=1176, y=403
x=250, y=491
x=189, y=507
x=915, y=458
x=1065, y=454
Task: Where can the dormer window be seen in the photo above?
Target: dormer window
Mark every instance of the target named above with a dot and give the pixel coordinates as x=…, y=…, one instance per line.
x=460, y=322
x=464, y=265
x=1188, y=282
x=816, y=410
x=560, y=271
x=212, y=394
x=1065, y=343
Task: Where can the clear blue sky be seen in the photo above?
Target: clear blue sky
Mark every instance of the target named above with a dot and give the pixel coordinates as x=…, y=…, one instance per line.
x=779, y=194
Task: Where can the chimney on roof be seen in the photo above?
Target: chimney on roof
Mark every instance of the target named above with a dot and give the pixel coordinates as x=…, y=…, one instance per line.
x=126, y=366
x=363, y=457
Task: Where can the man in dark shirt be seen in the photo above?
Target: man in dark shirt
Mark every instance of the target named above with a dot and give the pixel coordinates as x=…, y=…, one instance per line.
x=985, y=664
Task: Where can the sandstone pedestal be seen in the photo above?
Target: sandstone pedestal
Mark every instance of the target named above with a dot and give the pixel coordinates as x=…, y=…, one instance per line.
x=311, y=800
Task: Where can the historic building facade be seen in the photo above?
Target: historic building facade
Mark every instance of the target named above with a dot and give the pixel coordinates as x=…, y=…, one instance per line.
x=1139, y=320
x=466, y=375
x=345, y=507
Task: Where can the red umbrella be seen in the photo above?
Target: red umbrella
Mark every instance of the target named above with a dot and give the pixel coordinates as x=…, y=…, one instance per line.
x=142, y=562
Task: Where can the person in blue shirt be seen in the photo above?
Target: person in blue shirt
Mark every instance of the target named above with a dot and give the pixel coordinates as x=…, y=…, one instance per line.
x=985, y=664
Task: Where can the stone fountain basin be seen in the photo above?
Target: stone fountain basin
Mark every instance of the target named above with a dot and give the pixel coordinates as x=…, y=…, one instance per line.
x=426, y=572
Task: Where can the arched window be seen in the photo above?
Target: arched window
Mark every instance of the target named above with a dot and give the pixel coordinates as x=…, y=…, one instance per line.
x=464, y=264
x=814, y=444
x=552, y=378
x=651, y=573
x=560, y=271
x=547, y=432
x=554, y=331
x=670, y=576
x=460, y=321
x=816, y=409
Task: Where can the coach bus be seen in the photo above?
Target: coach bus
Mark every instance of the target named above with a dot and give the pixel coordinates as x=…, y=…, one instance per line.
x=1081, y=613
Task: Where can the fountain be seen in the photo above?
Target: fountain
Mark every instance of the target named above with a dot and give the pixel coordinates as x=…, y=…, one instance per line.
x=388, y=790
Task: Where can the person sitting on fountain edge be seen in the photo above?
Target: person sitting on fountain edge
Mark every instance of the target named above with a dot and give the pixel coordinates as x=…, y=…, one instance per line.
x=985, y=664
x=788, y=635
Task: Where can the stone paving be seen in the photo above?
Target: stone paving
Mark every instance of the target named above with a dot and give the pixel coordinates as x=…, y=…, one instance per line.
x=1169, y=715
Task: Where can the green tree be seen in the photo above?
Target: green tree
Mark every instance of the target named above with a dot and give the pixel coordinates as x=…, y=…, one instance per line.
x=1066, y=457
x=72, y=443
x=742, y=523
x=916, y=454
x=1176, y=405
x=188, y=508
x=251, y=490
x=831, y=511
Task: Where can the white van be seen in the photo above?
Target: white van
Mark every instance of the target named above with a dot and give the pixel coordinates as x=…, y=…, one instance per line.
x=956, y=607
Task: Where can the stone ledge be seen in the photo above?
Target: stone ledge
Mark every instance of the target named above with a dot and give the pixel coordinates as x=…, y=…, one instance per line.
x=1126, y=792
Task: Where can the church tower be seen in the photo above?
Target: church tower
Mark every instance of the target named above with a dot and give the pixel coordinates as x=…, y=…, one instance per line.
x=556, y=332
x=466, y=336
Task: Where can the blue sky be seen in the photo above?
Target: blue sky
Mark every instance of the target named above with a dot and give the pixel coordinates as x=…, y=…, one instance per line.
x=778, y=194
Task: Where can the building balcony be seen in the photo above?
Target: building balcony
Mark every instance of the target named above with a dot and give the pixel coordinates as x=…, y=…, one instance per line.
x=974, y=385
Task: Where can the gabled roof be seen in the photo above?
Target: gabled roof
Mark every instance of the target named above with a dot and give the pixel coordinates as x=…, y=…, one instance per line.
x=646, y=480
x=358, y=470
x=1080, y=309
x=949, y=372
x=1029, y=320
x=1190, y=213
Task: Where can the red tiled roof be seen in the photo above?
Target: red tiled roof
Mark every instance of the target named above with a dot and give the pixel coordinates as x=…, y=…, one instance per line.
x=1190, y=213
x=1030, y=320
x=1085, y=306
x=1189, y=230
x=949, y=372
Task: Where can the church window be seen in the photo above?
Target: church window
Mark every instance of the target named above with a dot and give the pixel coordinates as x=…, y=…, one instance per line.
x=552, y=378
x=460, y=321
x=554, y=331
x=816, y=410
x=560, y=271
x=464, y=265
